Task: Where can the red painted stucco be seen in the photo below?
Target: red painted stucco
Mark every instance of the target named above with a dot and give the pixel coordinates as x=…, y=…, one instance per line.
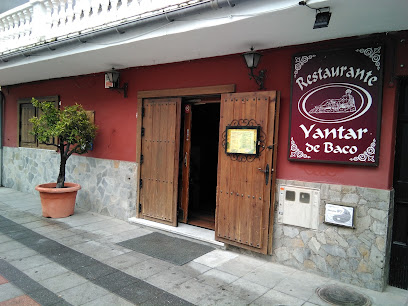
x=116, y=116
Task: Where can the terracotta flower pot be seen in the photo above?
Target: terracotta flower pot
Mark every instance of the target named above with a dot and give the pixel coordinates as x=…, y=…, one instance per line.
x=58, y=202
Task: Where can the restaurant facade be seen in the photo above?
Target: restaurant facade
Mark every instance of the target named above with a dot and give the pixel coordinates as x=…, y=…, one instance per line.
x=307, y=169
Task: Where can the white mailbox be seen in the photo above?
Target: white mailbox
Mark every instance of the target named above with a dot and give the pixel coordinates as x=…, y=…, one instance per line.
x=299, y=206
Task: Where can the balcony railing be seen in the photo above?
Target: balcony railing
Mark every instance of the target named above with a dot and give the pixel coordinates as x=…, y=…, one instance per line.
x=41, y=21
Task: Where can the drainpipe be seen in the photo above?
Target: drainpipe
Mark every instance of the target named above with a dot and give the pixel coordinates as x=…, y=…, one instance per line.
x=1, y=135
x=197, y=9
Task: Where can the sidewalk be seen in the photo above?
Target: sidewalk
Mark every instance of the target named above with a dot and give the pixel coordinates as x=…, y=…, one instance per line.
x=84, y=260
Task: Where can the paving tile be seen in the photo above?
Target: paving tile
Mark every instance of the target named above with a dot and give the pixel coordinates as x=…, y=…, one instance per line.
x=45, y=230
x=192, y=268
x=119, y=228
x=133, y=233
x=215, y=258
x=95, y=271
x=166, y=299
x=23, y=300
x=89, y=236
x=46, y=297
x=9, y=291
x=96, y=250
x=216, y=278
x=168, y=279
x=73, y=240
x=24, y=235
x=247, y=290
x=84, y=293
x=240, y=265
x=3, y=280
x=147, y=268
x=224, y=298
x=309, y=277
x=192, y=291
x=81, y=219
x=99, y=224
x=45, y=245
x=9, y=272
x=115, y=281
x=22, y=219
x=46, y=271
x=138, y=292
x=10, y=245
x=12, y=228
x=297, y=288
x=26, y=283
x=36, y=224
x=109, y=300
x=276, y=298
x=265, y=276
x=4, y=238
x=56, y=235
x=71, y=259
x=4, y=223
x=63, y=282
x=30, y=262
x=126, y=260
x=281, y=268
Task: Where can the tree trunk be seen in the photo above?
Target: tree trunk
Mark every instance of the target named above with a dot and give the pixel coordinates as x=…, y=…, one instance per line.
x=61, y=175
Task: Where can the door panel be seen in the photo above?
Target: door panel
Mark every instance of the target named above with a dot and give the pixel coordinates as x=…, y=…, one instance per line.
x=159, y=170
x=243, y=193
x=186, y=162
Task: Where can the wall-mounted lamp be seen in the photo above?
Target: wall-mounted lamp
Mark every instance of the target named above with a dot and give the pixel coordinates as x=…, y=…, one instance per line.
x=112, y=81
x=322, y=15
x=252, y=59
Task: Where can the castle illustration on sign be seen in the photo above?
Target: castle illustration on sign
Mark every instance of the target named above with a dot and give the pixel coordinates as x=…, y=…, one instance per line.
x=345, y=104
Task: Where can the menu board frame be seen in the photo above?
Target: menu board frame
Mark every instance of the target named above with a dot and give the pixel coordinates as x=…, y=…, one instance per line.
x=253, y=150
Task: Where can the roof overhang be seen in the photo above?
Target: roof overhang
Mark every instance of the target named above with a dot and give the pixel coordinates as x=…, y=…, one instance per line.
x=212, y=32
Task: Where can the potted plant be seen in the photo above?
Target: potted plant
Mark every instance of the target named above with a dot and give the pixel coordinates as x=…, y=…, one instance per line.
x=71, y=131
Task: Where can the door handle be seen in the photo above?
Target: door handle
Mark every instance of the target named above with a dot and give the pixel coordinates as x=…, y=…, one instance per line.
x=185, y=160
x=266, y=171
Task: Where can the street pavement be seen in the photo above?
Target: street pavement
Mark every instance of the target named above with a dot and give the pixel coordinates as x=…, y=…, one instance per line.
x=78, y=261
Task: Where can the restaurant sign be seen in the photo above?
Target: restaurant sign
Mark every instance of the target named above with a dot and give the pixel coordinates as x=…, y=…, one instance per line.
x=336, y=106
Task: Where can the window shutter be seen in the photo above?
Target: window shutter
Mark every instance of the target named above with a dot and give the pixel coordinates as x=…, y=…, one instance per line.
x=27, y=111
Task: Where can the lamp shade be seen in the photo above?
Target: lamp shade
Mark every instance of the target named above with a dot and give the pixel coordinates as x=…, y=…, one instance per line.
x=322, y=20
x=111, y=78
x=252, y=58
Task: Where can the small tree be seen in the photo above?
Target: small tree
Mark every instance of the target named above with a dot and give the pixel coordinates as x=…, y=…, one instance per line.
x=71, y=127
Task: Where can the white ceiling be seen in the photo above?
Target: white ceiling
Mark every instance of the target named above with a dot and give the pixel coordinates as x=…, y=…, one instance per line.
x=261, y=23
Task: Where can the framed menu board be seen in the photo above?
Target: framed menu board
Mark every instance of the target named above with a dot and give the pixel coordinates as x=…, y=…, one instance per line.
x=242, y=140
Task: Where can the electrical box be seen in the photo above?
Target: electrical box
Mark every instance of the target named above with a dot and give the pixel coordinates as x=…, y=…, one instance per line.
x=299, y=206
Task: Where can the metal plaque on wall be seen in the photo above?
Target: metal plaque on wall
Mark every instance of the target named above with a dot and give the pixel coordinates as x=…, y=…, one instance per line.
x=335, y=111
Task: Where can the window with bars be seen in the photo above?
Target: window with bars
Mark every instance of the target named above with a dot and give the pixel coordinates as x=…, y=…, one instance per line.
x=25, y=112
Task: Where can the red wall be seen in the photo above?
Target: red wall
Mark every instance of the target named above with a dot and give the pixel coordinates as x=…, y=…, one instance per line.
x=116, y=116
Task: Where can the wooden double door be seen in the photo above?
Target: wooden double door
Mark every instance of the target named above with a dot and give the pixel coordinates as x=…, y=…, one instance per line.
x=245, y=188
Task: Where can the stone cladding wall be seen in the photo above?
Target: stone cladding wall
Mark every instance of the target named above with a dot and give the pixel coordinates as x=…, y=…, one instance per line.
x=108, y=186
x=358, y=256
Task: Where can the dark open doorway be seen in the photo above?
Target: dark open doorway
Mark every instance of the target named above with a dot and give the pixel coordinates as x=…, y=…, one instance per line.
x=399, y=248
x=198, y=162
